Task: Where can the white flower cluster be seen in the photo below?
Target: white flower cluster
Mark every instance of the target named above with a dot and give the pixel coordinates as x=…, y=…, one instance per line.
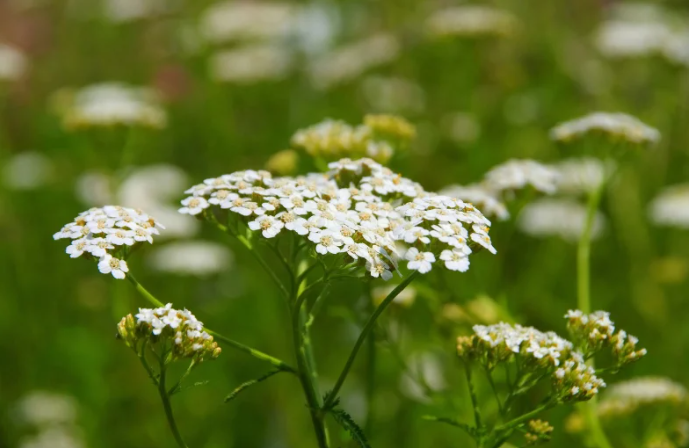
x=571, y=378
x=350, y=61
x=110, y=104
x=108, y=234
x=471, y=21
x=594, y=332
x=250, y=64
x=516, y=174
x=582, y=175
x=52, y=418
x=628, y=396
x=564, y=218
x=13, y=63
x=360, y=209
x=180, y=326
x=616, y=126
x=671, y=207
x=245, y=20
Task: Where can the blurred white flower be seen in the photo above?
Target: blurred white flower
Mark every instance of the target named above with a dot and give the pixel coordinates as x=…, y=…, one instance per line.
x=191, y=258
x=627, y=396
x=250, y=64
x=41, y=408
x=676, y=48
x=671, y=207
x=316, y=25
x=478, y=195
x=54, y=437
x=245, y=20
x=582, y=175
x=393, y=95
x=354, y=59
x=516, y=174
x=152, y=188
x=424, y=376
x=616, y=125
x=558, y=217
x=110, y=104
x=27, y=171
x=631, y=39
x=130, y=10
x=471, y=21
x=13, y=63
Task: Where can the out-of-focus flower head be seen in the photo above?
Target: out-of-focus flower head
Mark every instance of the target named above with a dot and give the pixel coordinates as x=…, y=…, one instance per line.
x=616, y=127
x=122, y=11
x=582, y=175
x=249, y=64
x=424, y=376
x=471, y=21
x=178, y=332
x=538, y=431
x=671, y=207
x=109, y=234
x=109, y=104
x=198, y=258
x=13, y=63
x=352, y=60
x=377, y=138
x=359, y=209
x=247, y=20
x=477, y=194
x=42, y=408
x=629, y=396
x=594, y=332
x=404, y=299
x=565, y=218
x=283, y=162
x=517, y=174
x=27, y=171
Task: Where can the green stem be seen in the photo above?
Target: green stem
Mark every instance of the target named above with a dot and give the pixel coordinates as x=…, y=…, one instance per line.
x=474, y=403
x=362, y=337
x=239, y=346
x=305, y=374
x=524, y=418
x=466, y=428
x=168, y=409
x=495, y=392
x=584, y=304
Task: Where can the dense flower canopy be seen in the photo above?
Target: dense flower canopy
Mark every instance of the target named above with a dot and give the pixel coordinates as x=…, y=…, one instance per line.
x=359, y=209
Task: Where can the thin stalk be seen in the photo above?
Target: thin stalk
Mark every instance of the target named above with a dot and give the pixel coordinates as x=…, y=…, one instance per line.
x=306, y=376
x=524, y=418
x=237, y=345
x=168, y=409
x=362, y=337
x=584, y=304
x=474, y=403
x=466, y=428
x=495, y=392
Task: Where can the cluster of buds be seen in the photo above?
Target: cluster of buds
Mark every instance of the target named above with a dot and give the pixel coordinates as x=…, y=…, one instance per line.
x=616, y=127
x=177, y=332
x=377, y=138
x=595, y=332
x=109, y=234
x=359, y=209
x=538, y=431
x=576, y=381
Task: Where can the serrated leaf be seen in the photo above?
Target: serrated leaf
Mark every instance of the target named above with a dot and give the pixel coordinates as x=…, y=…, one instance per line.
x=347, y=422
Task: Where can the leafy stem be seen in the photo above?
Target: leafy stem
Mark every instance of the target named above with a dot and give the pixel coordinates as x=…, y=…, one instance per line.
x=165, y=397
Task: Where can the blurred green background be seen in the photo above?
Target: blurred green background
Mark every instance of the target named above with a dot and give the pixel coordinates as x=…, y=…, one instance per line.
x=477, y=101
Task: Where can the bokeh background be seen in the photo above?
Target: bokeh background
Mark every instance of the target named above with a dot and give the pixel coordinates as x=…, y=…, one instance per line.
x=228, y=85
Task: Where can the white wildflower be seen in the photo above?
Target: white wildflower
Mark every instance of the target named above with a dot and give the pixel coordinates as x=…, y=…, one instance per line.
x=558, y=217
x=618, y=126
x=111, y=265
x=268, y=225
x=419, y=261
x=193, y=205
x=471, y=21
x=250, y=64
x=628, y=396
x=671, y=207
x=583, y=175
x=13, y=63
x=42, y=408
x=516, y=174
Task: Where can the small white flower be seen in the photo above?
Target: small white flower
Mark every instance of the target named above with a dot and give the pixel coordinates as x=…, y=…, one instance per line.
x=419, y=261
x=78, y=247
x=193, y=205
x=111, y=265
x=268, y=225
x=455, y=261
x=120, y=237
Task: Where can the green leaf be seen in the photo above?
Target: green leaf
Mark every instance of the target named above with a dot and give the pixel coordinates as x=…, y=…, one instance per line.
x=245, y=385
x=345, y=420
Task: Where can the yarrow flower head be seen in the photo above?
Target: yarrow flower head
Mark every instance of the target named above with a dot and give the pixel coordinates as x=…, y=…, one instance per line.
x=671, y=207
x=564, y=218
x=13, y=63
x=109, y=234
x=359, y=210
x=177, y=332
x=541, y=354
x=583, y=175
x=516, y=174
x=487, y=201
x=471, y=21
x=629, y=396
x=612, y=126
x=377, y=138
x=110, y=104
